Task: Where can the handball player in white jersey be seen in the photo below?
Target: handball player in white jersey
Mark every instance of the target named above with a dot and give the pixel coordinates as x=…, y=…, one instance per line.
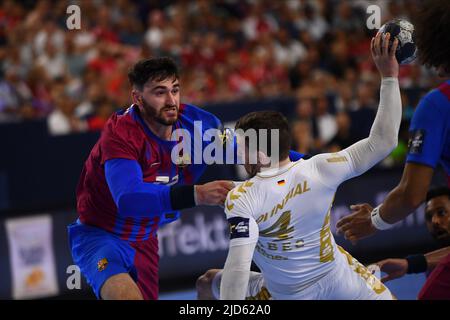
x=280, y=218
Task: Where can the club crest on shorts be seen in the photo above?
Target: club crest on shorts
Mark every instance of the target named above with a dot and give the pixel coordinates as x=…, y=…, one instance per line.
x=101, y=264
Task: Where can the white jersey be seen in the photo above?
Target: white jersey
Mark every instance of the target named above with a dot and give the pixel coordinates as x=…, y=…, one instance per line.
x=283, y=216
x=287, y=212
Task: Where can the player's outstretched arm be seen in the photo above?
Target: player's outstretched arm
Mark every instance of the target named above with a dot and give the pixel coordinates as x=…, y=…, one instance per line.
x=383, y=137
x=423, y=156
x=397, y=268
x=363, y=155
x=409, y=194
x=428, y=132
x=434, y=257
x=134, y=197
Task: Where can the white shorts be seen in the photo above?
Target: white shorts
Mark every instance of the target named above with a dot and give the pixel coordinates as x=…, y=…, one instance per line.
x=349, y=280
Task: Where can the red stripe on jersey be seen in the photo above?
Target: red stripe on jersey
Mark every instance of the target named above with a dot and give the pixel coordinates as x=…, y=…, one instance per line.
x=154, y=226
x=166, y=162
x=141, y=233
x=445, y=89
x=127, y=228
x=146, y=262
x=154, y=151
x=188, y=176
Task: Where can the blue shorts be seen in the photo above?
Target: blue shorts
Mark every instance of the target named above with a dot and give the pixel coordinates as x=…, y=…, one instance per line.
x=100, y=255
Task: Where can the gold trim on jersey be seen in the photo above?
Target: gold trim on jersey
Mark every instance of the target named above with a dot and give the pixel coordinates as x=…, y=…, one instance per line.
x=337, y=158
x=236, y=193
x=246, y=184
x=263, y=294
x=230, y=206
x=326, y=245
x=372, y=282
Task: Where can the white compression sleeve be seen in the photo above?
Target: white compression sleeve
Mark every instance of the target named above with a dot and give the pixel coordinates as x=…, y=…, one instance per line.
x=383, y=136
x=366, y=153
x=236, y=272
x=252, y=288
x=215, y=285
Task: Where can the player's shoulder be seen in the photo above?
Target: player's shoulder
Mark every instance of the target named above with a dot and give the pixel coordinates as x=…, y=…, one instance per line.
x=194, y=113
x=240, y=199
x=444, y=90
x=331, y=158
x=242, y=189
x=323, y=165
x=438, y=98
x=268, y=180
x=123, y=123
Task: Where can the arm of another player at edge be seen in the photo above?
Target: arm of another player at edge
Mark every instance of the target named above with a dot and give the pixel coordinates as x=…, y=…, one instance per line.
x=434, y=257
x=409, y=194
x=418, y=172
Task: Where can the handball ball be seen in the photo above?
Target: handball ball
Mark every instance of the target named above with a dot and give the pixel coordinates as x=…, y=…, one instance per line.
x=404, y=31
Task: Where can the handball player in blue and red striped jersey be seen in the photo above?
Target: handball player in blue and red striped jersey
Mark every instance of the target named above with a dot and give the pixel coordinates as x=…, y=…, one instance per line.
x=129, y=186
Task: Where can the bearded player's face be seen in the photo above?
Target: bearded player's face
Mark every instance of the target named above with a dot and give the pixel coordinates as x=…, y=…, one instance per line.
x=160, y=101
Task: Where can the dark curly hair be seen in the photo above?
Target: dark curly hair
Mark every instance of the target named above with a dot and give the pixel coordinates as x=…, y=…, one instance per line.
x=437, y=192
x=154, y=69
x=432, y=24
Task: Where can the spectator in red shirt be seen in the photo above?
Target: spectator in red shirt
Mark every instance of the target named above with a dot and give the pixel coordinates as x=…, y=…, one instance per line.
x=103, y=110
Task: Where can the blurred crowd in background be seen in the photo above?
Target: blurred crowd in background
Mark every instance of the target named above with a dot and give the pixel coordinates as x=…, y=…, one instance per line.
x=314, y=51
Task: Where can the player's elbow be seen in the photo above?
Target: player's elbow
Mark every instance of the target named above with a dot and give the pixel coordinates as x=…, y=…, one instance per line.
x=412, y=198
x=385, y=145
x=390, y=143
x=393, y=142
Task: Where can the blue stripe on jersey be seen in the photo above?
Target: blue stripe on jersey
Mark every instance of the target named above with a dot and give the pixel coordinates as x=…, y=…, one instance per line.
x=119, y=225
x=147, y=231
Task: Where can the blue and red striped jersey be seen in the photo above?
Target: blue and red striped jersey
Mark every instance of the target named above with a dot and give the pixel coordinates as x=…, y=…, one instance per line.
x=126, y=136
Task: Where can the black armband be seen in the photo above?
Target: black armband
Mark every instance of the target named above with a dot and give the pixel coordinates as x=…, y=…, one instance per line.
x=417, y=263
x=182, y=197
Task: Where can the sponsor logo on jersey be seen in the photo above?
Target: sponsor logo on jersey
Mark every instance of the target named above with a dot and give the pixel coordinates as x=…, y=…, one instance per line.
x=416, y=139
x=239, y=227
